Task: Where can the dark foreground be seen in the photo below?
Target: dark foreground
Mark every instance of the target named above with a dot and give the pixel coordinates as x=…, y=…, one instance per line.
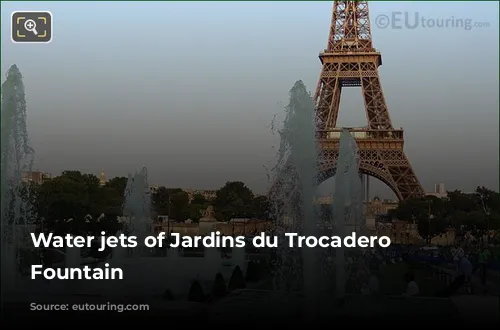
x=245, y=307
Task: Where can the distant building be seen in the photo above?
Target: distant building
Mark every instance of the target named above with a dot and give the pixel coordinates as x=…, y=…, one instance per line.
x=372, y=209
x=209, y=195
x=34, y=176
x=203, y=227
x=162, y=218
x=102, y=178
x=439, y=188
x=439, y=191
x=377, y=205
x=381, y=206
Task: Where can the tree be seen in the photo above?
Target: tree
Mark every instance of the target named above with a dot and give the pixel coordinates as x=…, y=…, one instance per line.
x=194, y=211
x=489, y=203
x=476, y=221
x=161, y=201
x=74, y=202
x=119, y=184
x=234, y=199
x=429, y=228
x=180, y=203
x=411, y=210
x=459, y=201
x=261, y=207
x=172, y=202
x=196, y=206
x=199, y=199
x=70, y=195
x=475, y=212
x=111, y=197
x=429, y=213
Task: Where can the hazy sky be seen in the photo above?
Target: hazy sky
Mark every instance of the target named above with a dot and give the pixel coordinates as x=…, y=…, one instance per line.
x=189, y=89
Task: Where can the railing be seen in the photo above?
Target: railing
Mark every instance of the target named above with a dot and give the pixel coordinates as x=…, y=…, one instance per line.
x=363, y=134
x=359, y=51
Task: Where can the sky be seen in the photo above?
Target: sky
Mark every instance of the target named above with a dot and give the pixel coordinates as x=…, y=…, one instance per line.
x=189, y=89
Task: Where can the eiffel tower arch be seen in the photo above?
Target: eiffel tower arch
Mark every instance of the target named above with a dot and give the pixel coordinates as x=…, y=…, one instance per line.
x=350, y=60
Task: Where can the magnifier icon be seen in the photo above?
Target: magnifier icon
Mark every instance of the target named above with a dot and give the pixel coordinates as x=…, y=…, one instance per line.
x=30, y=25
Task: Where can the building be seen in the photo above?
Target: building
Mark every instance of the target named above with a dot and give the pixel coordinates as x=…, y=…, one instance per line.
x=236, y=227
x=209, y=195
x=376, y=206
x=34, y=176
x=102, y=178
x=439, y=191
x=439, y=188
x=373, y=209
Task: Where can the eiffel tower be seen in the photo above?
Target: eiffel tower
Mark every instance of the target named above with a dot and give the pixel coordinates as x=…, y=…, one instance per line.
x=351, y=61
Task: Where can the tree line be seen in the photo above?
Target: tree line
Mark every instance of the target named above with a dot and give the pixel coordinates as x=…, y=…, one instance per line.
x=476, y=213
x=77, y=201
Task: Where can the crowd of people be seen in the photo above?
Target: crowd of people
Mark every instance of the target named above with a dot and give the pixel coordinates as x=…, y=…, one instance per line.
x=465, y=268
x=364, y=272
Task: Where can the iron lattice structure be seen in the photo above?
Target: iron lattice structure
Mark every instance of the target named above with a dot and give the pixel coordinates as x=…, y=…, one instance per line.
x=351, y=61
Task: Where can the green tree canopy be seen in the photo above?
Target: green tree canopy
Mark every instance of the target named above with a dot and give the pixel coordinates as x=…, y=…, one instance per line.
x=67, y=201
x=234, y=200
x=477, y=211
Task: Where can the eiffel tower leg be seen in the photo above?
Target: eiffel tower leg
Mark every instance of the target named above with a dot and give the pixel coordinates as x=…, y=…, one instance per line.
x=376, y=108
x=401, y=173
x=327, y=98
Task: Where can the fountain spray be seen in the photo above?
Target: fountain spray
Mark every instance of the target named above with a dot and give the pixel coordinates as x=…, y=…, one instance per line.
x=297, y=173
x=137, y=205
x=347, y=201
x=16, y=158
